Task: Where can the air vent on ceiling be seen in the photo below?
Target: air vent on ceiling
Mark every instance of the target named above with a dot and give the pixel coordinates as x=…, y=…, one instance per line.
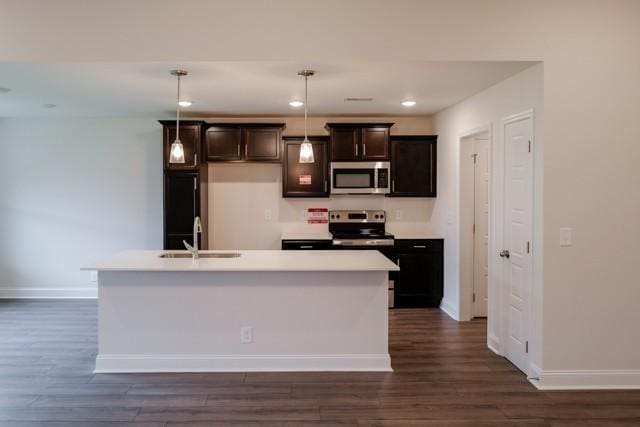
x=355, y=99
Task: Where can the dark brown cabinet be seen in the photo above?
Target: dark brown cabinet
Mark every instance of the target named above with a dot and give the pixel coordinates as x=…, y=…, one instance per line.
x=185, y=192
x=420, y=281
x=223, y=143
x=359, y=141
x=190, y=136
x=413, y=166
x=243, y=142
x=305, y=245
x=305, y=179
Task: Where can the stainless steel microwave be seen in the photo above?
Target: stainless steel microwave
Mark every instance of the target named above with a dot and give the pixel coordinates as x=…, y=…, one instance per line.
x=360, y=177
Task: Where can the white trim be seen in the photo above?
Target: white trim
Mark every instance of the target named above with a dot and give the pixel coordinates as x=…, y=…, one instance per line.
x=468, y=296
x=587, y=380
x=450, y=309
x=117, y=363
x=493, y=342
x=15, y=292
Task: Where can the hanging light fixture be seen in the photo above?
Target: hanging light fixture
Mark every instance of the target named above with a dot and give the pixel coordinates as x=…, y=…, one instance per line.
x=306, y=149
x=177, y=150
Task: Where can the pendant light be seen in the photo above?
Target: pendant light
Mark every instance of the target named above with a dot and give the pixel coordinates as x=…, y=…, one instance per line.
x=306, y=149
x=177, y=150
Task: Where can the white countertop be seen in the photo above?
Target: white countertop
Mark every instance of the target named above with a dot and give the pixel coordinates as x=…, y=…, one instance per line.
x=417, y=236
x=287, y=235
x=276, y=260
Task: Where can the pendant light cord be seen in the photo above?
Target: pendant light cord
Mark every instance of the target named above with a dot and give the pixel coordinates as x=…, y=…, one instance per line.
x=178, y=113
x=305, y=107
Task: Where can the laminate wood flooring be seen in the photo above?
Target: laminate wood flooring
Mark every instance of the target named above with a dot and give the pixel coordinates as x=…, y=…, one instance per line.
x=444, y=376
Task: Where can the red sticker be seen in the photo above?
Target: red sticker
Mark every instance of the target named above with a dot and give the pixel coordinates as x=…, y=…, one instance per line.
x=318, y=215
x=305, y=179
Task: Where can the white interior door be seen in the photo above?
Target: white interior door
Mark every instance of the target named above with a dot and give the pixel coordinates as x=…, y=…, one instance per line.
x=481, y=228
x=518, y=134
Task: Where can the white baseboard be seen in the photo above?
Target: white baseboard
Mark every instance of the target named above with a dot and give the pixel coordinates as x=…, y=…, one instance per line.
x=27, y=292
x=120, y=363
x=449, y=309
x=493, y=342
x=585, y=379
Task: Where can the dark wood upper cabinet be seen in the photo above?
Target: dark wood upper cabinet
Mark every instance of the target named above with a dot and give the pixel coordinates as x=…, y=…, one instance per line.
x=375, y=143
x=223, y=143
x=241, y=142
x=190, y=136
x=344, y=143
x=305, y=179
x=262, y=143
x=359, y=141
x=413, y=166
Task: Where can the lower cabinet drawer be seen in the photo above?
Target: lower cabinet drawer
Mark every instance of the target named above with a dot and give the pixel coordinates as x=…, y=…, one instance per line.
x=306, y=245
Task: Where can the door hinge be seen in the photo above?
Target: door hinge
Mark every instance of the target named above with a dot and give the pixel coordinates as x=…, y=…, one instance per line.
x=474, y=297
x=475, y=156
x=529, y=145
x=474, y=228
x=526, y=346
x=528, y=247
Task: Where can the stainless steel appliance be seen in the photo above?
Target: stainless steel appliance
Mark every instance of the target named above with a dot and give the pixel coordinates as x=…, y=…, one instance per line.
x=363, y=230
x=360, y=177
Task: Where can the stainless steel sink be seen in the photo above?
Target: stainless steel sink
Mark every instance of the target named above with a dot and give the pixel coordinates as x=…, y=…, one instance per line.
x=201, y=255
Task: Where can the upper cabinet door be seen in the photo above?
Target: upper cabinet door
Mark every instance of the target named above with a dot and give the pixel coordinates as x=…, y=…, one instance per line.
x=345, y=142
x=413, y=166
x=262, y=143
x=190, y=138
x=305, y=179
x=375, y=143
x=223, y=143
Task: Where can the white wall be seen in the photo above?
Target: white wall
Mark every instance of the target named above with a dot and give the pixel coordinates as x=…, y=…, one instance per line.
x=519, y=93
x=239, y=194
x=75, y=190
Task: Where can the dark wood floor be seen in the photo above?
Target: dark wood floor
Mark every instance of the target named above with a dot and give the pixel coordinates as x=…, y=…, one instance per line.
x=444, y=376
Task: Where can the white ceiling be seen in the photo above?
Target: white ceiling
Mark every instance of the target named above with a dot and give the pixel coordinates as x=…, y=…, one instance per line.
x=241, y=88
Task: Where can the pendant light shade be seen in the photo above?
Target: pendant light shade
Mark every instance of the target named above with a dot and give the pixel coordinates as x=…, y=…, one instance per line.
x=177, y=150
x=306, y=149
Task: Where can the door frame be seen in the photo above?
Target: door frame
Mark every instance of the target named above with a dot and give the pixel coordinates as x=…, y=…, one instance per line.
x=465, y=305
x=503, y=291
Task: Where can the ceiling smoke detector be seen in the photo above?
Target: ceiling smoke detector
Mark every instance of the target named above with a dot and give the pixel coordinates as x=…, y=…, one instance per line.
x=357, y=99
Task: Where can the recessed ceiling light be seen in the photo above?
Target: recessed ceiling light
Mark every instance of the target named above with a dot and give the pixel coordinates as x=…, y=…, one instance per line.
x=408, y=103
x=4, y=90
x=185, y=103
x=49, y=105
x=296, y=104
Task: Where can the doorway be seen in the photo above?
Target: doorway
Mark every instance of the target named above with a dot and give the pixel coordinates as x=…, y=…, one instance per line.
x=475, y=175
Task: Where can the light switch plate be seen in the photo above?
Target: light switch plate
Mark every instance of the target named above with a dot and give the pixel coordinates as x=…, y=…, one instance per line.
x=246, y=334
x=267, y=215
x=399, y=215
x=93, y=276
x=566, y=236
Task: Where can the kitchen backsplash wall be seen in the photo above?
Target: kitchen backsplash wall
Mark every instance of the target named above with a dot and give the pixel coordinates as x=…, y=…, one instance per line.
x=247, y=210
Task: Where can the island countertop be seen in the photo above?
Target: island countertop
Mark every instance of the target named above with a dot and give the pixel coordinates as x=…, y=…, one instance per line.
x=249, y=260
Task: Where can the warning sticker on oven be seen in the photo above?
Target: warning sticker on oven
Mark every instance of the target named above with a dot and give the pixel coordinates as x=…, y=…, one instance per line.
x=305, y=179
x=318, y=215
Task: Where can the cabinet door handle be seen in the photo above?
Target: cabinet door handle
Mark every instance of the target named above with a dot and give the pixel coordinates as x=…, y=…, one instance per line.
x=195, y=184
x=195, y=159
x=364, y=150
x=325, y=185
x=356, y=149
x=420, y=246
x=238, y=150
x=306, y=247
x=393, y=185
x=245, y=150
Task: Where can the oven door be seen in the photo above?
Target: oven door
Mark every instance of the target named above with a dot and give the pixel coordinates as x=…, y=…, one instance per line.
x=356, y=178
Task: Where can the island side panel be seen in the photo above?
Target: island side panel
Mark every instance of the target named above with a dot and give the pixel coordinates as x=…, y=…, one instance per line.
x=191, y=321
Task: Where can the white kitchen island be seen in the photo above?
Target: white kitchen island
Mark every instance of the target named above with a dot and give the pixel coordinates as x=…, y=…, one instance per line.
x=261, y=311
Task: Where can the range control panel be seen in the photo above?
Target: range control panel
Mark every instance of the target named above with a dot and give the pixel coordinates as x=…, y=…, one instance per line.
x=357, y=216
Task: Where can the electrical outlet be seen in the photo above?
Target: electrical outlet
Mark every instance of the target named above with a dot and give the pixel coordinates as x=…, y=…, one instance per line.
x=399, y=215
x=267, y=215
x=93, y=276
x=566, y=236
x=246, y=334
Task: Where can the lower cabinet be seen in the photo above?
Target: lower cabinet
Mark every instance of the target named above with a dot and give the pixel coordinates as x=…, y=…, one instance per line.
x=305, y=245
x=420, y=281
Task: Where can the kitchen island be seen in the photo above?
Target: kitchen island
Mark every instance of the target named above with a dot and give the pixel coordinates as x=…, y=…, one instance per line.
x=259, y=311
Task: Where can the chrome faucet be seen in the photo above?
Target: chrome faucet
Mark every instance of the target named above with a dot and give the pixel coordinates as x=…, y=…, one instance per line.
x=197, y=228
